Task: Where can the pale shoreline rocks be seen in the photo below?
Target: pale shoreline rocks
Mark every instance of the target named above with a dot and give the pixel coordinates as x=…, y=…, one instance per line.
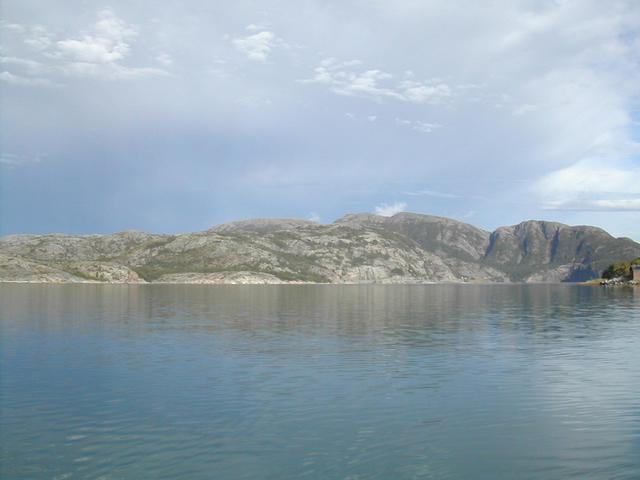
x=619, y=282
x=225, y=278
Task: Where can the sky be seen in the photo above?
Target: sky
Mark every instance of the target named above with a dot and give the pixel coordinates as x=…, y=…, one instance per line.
x=177, y=116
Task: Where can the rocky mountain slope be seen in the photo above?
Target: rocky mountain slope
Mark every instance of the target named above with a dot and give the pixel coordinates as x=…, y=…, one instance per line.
x=360, y=248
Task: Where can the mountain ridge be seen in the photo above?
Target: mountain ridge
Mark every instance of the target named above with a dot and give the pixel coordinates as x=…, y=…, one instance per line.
x=356, y=248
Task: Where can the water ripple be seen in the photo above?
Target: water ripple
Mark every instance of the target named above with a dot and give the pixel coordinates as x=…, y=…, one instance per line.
x=445, y=382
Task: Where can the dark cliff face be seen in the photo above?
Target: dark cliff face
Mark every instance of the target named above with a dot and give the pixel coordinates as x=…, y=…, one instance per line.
x=404, y=248
x=534, y=246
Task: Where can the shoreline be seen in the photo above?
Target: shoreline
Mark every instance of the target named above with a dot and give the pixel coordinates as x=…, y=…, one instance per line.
x=591, y=283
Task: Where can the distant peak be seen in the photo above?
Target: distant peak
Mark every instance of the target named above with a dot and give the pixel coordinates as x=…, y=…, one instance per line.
x=359, y=218
x=546, y=225
x=262, y=225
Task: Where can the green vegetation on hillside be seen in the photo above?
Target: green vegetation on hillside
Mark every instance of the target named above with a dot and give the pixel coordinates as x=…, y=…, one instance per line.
x=620, y=269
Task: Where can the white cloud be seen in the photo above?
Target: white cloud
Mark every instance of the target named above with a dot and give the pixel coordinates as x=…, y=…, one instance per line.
x=24, y=66
x=23, y=62
x=12, y=27
x=253, y=27
x=93, y=50
x=601, y=205
x=432, y=92
x=333, y=63
x=584, y=177
x=112, y=27
x=425, y=127
x=107, y=43
x=256, y=47
x=418, y=125
x=621, y=205
x=314, y=217
x=97, y=53
x=586, y=186
x=341, y=81
x=165, y=59
x=38, y=38
x=13, y=79
x=343, y=78
x=110, y=71
x=388, y=210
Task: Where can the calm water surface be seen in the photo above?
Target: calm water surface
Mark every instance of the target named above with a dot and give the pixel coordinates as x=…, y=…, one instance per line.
x=324, y=382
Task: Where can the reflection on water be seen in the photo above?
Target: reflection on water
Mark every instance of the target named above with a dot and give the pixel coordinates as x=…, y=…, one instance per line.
x=319, y=382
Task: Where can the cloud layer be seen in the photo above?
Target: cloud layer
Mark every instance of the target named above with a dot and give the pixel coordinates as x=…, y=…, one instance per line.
x=349, y=78
x=51, y=59
x=202, y=113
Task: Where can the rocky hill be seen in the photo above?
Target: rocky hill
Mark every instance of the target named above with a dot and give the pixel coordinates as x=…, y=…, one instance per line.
x=360, y=248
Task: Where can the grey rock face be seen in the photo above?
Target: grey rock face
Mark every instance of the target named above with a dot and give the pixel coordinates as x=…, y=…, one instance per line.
x=360, y=248
x=17, y=269
x=537, y=250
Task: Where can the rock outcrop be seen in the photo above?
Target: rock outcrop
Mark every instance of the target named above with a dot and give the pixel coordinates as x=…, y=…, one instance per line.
x=359, y=248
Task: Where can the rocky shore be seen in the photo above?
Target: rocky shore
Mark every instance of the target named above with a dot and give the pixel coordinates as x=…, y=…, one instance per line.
x=617, y=282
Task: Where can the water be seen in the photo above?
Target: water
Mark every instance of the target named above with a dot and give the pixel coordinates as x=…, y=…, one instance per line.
x=324, y=382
